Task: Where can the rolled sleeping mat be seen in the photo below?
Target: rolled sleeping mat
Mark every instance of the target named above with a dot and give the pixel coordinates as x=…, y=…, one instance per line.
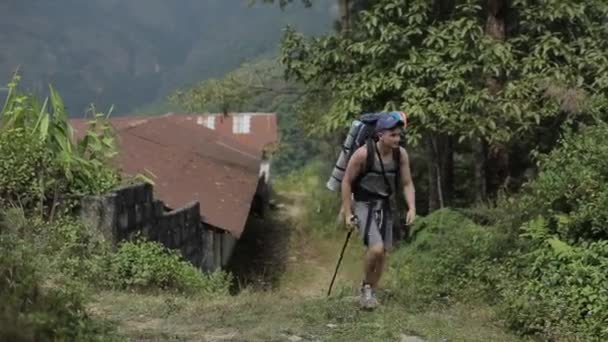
x=337, y=174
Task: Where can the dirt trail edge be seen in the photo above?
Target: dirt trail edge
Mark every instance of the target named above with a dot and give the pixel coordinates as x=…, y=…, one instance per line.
x=312, y=258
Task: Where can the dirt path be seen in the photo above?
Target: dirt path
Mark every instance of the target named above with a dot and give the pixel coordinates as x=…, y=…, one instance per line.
x=312, y=259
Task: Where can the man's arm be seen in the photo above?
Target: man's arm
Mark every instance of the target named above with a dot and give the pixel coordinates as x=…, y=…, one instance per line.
x=408, y=186
x=353, y=169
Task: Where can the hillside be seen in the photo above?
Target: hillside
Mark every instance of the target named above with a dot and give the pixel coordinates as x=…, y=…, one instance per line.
x=131, y=53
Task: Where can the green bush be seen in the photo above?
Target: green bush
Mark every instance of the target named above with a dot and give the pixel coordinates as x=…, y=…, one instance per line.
x=41, y=163
x=34, y=309
x=147, y=265
x=570, y=190
x=450, y=256
x=75, y=250
x=559, y=290
x=70, y=248
x=26, y=168
x=556, y=285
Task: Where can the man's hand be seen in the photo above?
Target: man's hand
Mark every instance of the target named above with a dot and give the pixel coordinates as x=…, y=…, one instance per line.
x=351, y=222
x=410, y=216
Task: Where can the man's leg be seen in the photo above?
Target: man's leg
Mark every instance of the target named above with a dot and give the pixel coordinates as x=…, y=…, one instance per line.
x=387, y=243
x=374, y=263
x=373, y=260
x=380, y=262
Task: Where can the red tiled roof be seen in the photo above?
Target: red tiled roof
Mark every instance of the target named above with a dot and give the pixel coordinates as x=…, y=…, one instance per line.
x=189, y=162
x=262, y=128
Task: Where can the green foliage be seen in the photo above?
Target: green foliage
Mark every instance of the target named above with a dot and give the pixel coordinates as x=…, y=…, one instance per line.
x=70, y=249
x=147, y=265
x=570, y=190
x=24, y=161
x=238, y=90
x=439, y=66
x=35, y=310
x=541, y=285
x=222, y=92
x=559, y=291
x=73, y=251
x=450, y=257
x=43, y=160
x=297, y=146
x=320, y=207
x=556, y=285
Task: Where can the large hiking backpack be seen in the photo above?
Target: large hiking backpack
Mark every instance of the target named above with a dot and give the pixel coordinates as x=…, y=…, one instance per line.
x=361, y=131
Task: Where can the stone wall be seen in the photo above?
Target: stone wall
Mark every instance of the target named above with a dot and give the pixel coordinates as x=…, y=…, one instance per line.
x=132, y=211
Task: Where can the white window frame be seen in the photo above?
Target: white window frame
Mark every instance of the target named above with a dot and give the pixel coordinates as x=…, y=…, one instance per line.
x=241, y=124
x=207, y=121
x=210, y=122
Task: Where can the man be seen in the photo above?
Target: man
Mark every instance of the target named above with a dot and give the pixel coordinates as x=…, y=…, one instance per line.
x=373, y=180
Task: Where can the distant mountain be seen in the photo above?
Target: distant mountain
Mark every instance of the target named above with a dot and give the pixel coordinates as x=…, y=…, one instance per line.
x=132, y=52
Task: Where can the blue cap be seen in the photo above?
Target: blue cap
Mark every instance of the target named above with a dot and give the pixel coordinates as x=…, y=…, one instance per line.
x=388, y=121
x=401, y=116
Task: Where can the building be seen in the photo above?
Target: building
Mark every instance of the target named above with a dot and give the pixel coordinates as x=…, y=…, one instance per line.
x=189, y=161
x=256, y=130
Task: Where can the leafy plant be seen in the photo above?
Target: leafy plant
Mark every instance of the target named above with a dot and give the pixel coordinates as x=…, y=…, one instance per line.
x=450, y=258
x=558, y=290
x=319, y=206
x=144, y=264
x=437, y=62
x=570, y=190
x=34, y=309
x=44, y=163
x=26, y=169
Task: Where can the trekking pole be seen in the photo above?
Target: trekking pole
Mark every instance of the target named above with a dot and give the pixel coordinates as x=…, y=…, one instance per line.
x=353, y=220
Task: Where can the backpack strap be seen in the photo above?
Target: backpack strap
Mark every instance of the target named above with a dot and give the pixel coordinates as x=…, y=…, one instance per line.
x=369, y=161
x=397, y=159
x=375, y=150
x=369, y=143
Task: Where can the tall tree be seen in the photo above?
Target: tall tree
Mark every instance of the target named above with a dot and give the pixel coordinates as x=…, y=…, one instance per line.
x=456, y=73
x=486, y=167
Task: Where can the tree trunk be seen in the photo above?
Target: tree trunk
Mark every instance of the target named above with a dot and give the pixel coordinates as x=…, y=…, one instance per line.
x=479, y=157
x=498, y=169
x=447, y=169
x=344, y=8
x=495, y=158
x=440, y=171
x=495, y=22
x=432, y=173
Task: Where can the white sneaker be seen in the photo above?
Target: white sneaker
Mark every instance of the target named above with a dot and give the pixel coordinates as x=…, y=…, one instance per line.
x=367, y=300
x=374, y=300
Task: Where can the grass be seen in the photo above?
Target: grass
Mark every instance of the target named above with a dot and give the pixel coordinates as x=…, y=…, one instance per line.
x=297, y=308
x=272, y=316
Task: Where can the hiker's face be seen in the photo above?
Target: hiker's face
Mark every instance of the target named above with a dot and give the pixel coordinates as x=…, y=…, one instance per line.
x=391, y=137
